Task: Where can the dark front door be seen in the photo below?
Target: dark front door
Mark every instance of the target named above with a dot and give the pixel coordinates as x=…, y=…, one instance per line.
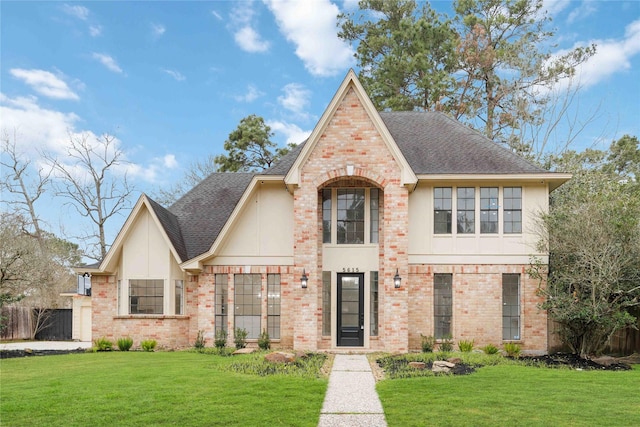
x=351, y=310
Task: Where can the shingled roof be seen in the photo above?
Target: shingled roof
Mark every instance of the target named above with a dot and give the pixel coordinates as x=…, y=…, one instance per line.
x=434, y=143
x=195, y=221
x=431, y=142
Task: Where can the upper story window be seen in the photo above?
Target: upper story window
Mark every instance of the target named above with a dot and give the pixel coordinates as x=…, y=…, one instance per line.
x=442, y=210
x=355, y=213
x=350, y=223
x=488, y=209
x=473, y=202
x=512, y=209
x=466, y=210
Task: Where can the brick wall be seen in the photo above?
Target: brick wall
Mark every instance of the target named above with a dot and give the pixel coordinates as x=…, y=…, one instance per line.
x=168, y=331
x=477, y=305
x=351, y=139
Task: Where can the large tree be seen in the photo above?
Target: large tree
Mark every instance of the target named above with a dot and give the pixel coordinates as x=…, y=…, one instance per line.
x=593, y=235
x=490, y=66
x=22, y=184
x=249, y=147
x=90, y=177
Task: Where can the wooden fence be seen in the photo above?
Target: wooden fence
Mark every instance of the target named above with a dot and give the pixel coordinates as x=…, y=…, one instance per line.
x=622, y=343
x=19, y=323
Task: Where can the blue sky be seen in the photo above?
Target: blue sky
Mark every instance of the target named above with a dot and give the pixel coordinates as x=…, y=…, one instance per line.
x=171, y=80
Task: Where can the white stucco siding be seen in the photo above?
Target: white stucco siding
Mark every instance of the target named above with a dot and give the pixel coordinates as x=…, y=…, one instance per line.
x=427, y=247
x=145, y=252
x=262, y=232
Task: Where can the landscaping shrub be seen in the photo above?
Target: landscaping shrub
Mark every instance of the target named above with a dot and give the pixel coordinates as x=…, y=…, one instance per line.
x=221, y=339
x=124, y=344
x=490, y=349
x=240, y=338
x=307, y=366
x=465, y=346
x=512, y=349
x=103, y=344
x=148, y=345
x=428, y=342
x=263, y=341
x=200, y=340
x=446, y=345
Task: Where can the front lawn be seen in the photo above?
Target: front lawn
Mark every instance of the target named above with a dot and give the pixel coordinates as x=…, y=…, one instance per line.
x=162, y=388
x=510, y=395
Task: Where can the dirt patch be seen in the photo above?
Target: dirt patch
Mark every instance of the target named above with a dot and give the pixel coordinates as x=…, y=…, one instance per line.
x=576, y=362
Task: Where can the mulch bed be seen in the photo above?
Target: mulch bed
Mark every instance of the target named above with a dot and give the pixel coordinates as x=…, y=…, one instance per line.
x=576, y=362
x=9, y=354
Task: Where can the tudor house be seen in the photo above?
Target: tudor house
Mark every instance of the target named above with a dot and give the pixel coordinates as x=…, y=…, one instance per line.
x=380, y=228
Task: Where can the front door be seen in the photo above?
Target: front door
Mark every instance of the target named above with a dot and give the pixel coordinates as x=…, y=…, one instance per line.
x=351, y=310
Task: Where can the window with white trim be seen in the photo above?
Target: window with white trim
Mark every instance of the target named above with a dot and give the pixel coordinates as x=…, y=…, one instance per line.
x=489, y=210
x=146, y=296
x=466, y=212
x=442, y=210
x=512, y=201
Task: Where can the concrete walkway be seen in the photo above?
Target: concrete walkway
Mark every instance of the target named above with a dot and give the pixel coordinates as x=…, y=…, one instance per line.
x=45, y=345
x=351, y=399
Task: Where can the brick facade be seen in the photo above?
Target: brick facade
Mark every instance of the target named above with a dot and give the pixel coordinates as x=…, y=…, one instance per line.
x=349, y=152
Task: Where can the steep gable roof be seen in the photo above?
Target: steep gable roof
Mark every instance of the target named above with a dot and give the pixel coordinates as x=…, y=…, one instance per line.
x=171, y=226
x=203, y=211
x=434, y=143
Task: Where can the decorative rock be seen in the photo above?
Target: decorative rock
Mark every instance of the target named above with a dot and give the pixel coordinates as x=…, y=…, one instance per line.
x=454, y=360
x=418, y=365
x=442, y=366
x=280, y=357
x=244, y=351
x=604, y=360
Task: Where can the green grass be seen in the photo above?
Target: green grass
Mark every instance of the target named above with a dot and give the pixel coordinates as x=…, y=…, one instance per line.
x=161, y=388
x=515, y=395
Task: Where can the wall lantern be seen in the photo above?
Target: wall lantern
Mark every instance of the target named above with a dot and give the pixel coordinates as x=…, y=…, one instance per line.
x=304, y=279
x=397, y=280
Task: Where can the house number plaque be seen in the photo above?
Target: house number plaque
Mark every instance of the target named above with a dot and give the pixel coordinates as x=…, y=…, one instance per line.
x=350, y=270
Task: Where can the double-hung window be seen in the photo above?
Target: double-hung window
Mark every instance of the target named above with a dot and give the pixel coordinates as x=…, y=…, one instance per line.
x=489, y=210
x=442, y=210
x=512, y=201
x=466, y=205
x=273, y=306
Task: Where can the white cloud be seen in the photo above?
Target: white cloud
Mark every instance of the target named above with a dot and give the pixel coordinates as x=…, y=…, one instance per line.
x=216, y=15
x=585, y=9
x=37, y=128
x=79, y=12
x=108, y=62
x=175, y=74
x=612, y=56
x=555, y=6
x=95, y=30
x=293, y=133
x=295, y=98
x=169, y=161
x=251, y=95
x=243, y=32
x=45, y=83
x=157, y=30
x=311, y=26
x=249, y=40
